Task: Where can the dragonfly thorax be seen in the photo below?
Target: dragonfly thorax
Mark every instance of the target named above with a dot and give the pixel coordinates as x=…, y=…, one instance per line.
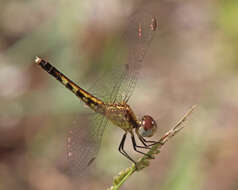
x=147, y=126
x=122, y=116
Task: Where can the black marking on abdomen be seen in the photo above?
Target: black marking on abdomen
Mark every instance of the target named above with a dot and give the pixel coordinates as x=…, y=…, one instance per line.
x=68, y=85
x=79, y=94
x=51, y=69
x=90, y=102
x=93, y=102
x=87, y=100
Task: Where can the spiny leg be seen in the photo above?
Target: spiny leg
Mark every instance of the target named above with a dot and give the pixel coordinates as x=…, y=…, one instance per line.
x=138, y=146
x=135, y=146
x=122, y=151
x=144, y=141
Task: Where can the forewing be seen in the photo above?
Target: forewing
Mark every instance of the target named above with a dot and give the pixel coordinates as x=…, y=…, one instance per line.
x=137, y=36
x=121, y=68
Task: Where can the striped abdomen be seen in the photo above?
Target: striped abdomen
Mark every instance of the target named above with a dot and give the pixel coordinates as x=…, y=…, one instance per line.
x=94, y=103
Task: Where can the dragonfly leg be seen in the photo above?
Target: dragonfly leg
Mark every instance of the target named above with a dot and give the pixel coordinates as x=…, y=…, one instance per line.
x=142, y=140
x=122, y=151
x=135, y=146
x=148, y=141
x=138, y=146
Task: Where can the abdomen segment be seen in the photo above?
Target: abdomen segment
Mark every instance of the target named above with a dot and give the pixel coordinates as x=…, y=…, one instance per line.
x=94, y=103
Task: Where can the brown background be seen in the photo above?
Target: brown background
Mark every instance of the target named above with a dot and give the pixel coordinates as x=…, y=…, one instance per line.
x=192, y=60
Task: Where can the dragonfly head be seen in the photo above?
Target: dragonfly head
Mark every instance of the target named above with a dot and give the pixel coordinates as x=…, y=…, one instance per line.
x=147, y=127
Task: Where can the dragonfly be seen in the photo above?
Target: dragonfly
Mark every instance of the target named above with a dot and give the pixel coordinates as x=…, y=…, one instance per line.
x=139, y=33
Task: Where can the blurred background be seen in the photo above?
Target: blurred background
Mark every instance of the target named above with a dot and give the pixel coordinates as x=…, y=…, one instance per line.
x=191, y=60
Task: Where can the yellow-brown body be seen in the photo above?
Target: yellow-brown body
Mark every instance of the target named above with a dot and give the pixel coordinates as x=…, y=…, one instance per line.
x=122, y=116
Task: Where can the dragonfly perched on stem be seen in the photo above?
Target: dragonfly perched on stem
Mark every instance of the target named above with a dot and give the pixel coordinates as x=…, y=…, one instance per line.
x=140, y=31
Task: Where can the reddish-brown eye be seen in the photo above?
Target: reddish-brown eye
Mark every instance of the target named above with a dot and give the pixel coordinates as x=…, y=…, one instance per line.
x=147, y=127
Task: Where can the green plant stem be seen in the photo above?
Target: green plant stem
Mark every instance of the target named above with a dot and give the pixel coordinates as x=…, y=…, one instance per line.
x=155, y=149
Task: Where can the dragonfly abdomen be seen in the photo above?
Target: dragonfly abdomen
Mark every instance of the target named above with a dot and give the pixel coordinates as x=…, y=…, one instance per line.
x=94, y=103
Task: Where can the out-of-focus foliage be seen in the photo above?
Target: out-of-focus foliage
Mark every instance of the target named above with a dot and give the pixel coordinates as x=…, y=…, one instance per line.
x=192, y=60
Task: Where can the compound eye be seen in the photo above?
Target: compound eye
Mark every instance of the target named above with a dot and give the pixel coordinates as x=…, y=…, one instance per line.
x=148, y=126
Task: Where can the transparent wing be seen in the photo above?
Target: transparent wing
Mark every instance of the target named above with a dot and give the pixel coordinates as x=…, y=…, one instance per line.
x=116, y=84
x=138, y=35
x=83, y=142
